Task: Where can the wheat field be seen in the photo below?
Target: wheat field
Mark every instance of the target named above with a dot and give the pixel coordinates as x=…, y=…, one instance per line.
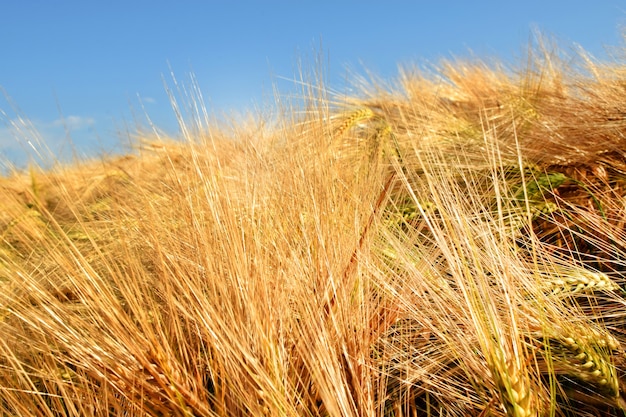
x=450, y=243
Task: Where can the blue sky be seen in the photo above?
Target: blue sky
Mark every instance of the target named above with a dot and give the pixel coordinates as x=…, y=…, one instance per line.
x=84, y=64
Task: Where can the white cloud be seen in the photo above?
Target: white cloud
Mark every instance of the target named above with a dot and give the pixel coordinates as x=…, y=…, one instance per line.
x=74, y=122
x=19, y=133
x=148, y=100
x=19, y=143
x=7, y=137
x=21, y=139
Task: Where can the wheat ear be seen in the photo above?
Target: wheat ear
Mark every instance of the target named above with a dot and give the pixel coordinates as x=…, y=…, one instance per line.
x=586, y=356
x=579, y=280
x=591, y=365
x=514, y=387
x=354, y=118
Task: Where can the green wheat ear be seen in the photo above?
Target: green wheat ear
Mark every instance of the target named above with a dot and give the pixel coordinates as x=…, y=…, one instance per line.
x=590, y=364
x=536, y=189
x=585, y=354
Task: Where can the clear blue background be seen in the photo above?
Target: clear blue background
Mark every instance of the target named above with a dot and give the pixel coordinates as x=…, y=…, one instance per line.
x=87, y=62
